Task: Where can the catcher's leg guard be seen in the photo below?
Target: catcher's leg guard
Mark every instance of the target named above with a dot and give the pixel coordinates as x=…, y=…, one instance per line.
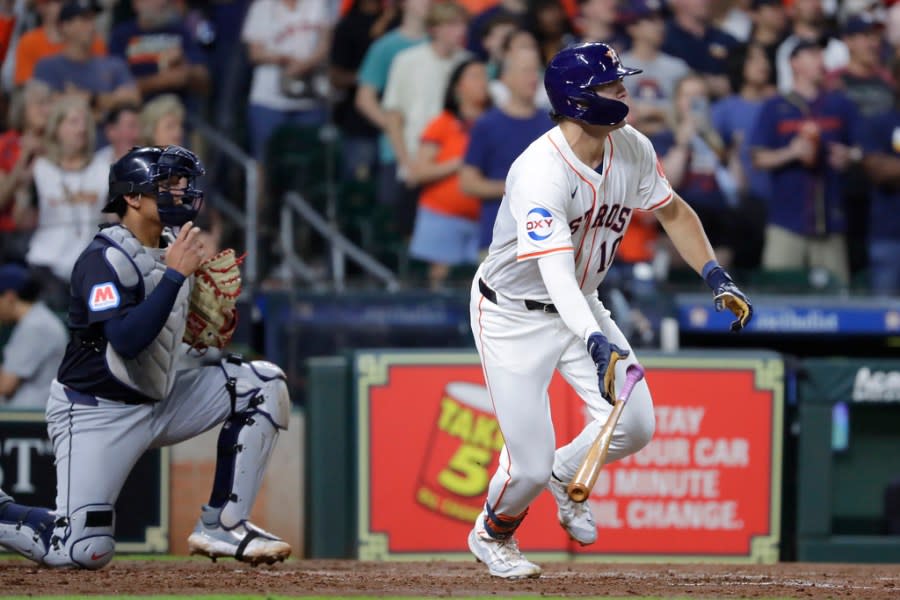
x=246, y=442
x=84, y=538
x=25, y=529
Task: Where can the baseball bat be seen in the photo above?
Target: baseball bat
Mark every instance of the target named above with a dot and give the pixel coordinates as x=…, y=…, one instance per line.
x=586, y=476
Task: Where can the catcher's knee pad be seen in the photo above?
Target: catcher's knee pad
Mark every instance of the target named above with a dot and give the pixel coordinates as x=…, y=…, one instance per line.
x=272, y=399
x=25, y=529
x=84, y=538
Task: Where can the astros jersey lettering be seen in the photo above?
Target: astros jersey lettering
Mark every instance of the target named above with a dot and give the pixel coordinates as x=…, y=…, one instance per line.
x=556, y=203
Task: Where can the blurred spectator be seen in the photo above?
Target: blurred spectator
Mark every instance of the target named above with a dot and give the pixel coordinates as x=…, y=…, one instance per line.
x=651, y=91
x=733, y=17
x=373, y=77
x=288, y=43
x=807, y=25
x=802, y=139
x=103, y=81
x=446, y=227
x=363, y=24
x=19, y=146
x=72, y=186
x=162, y=121
x=691, y=37
x=45, y=40
x=122, y=130
x=494, y=36
x=733, y=118
x=501, y=134
x=510, y=8
x=693, y=157
x=160, y=51
x=519, y=38
x=892, y=30
x=597, y=20
x=547, y=20
x=880, y=140
x=863, y=79
x=414, y=92
x=769, y=28
x=869, y=86
x=36, y=345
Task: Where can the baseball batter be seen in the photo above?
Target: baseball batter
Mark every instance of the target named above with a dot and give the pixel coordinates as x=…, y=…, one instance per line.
x=127, y=383
x=534, y=309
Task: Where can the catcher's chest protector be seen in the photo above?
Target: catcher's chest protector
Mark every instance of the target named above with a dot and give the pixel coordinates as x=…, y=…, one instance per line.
x=152, y=371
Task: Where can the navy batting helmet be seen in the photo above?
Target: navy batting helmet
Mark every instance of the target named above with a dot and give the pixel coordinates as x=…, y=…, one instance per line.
x=574, y=72
x=142, y=169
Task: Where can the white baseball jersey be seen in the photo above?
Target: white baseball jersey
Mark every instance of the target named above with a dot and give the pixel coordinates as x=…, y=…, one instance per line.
x=556, y=203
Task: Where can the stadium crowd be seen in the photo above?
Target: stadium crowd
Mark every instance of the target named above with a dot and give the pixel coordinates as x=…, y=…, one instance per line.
x=777, y=120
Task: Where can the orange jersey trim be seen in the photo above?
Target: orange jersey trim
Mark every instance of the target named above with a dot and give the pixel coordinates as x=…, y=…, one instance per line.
x=660, y=203
x=543, y=252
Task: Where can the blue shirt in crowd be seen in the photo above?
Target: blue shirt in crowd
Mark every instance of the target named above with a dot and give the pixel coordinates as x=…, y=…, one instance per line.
x=98, y=75
x=733, y=118
x=705, y=54
x=805, y=200
x=881, y=134
x=496, y=140
x=143, y=49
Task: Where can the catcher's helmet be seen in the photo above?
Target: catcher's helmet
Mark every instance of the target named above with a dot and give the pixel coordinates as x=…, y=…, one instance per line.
x=574, y=72
x=142, y=169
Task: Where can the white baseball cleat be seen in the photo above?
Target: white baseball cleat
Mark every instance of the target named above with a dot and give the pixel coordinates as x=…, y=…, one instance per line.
x=502, y=557
x=245, y=542
x=575, y=517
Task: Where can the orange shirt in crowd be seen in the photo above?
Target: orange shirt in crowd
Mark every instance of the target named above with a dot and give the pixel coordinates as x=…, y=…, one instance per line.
x=35, y=45
x=639, y=243
x=444, y=196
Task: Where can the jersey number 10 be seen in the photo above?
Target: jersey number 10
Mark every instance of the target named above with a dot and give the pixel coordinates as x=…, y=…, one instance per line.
x=607, y=259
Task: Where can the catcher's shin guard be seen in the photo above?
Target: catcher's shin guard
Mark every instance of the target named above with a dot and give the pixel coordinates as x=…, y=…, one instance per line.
x=25, y=529
x=84, y=538
x=246, y=442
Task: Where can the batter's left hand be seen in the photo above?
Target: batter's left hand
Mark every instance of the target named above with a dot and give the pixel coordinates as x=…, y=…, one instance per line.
x=605, y=356
x=727, y=295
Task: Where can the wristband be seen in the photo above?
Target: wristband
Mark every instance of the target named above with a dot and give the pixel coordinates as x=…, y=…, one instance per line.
x=707, y=268
x=716, y=277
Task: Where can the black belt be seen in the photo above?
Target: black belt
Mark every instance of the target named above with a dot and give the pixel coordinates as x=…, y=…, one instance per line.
x=529, y=304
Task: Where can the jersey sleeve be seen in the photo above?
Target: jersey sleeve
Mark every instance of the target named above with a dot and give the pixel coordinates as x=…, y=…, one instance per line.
x=96, y=285
x=537, y=202
x=654, y=189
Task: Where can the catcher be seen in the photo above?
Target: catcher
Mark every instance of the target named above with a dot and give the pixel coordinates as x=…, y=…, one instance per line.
x=141, y=297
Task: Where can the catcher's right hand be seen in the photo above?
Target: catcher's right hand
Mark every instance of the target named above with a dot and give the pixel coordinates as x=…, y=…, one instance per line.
x=605, y=356
x=187, y=252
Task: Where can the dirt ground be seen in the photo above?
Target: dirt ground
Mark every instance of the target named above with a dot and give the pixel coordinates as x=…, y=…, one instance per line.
x=332, y=577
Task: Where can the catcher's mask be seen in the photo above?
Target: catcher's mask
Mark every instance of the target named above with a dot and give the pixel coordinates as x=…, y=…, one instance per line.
x=142, y=171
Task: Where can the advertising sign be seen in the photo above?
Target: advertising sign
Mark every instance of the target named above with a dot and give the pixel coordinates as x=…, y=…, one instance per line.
x=28, y=474
x=707, y=485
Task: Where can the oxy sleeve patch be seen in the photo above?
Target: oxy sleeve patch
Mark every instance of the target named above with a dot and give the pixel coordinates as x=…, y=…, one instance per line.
x=104, y=296
x=539, y=224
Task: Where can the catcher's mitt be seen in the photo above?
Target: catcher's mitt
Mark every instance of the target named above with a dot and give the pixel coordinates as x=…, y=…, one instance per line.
x=212, y=317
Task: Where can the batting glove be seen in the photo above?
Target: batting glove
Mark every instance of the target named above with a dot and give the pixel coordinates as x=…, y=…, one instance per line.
x=727, y=295
x=605, y=356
